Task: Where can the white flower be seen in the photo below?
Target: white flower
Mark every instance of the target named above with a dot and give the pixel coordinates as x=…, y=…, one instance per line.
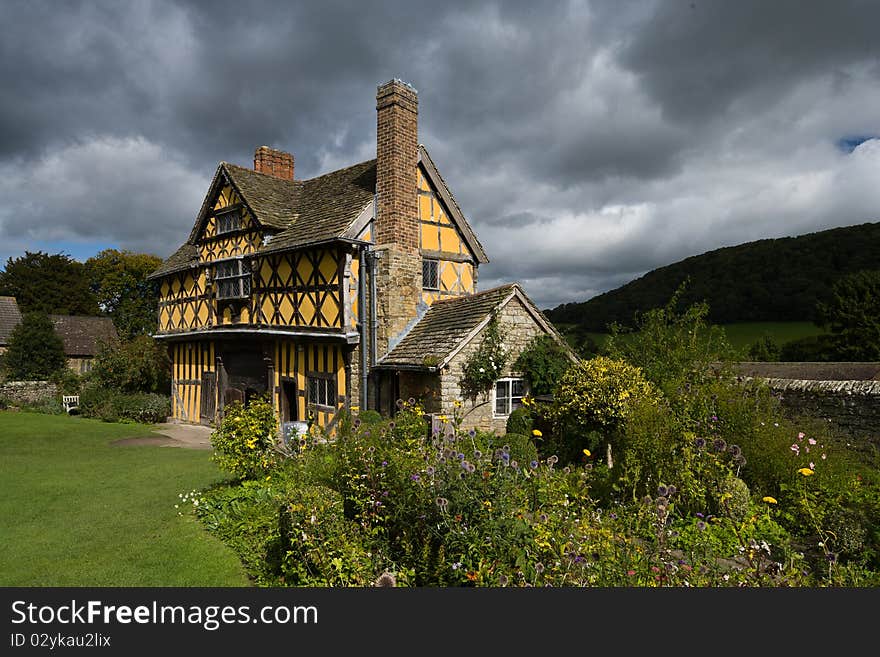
x=482, y=370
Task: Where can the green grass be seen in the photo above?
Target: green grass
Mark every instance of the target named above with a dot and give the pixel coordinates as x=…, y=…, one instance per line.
x=77, y=511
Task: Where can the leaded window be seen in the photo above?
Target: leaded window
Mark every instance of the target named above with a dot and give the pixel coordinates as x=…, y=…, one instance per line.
x=233, y=279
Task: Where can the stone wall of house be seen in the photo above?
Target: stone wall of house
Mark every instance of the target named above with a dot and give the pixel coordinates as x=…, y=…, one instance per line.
x=519, y=328
x=27, y=392
x=852, y=406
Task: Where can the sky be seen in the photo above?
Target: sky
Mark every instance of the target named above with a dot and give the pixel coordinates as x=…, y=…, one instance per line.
x=586, y=142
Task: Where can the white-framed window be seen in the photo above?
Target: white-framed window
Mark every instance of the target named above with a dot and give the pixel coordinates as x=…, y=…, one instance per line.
x=430, y=274
x=233, y=279
x=321, y=391
x=228, y=222
x=508, y=395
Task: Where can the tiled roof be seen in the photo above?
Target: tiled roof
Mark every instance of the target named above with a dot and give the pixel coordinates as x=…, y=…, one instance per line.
x=273, y=200
x=82, y=335
x=443, y=327
x=185, y=257
x=10, y=316
x=304, y=211
x=327, y=205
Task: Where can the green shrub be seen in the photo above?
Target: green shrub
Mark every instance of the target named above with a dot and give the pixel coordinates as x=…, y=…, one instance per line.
x=68, y=381
x=520, y=421
x=139, y=365
x=543, y=363
x=369, y=417
x=320, y=546
x=245, y=441
x=113, y=406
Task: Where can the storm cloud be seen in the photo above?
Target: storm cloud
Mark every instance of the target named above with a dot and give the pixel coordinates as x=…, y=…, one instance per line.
x=587, y=143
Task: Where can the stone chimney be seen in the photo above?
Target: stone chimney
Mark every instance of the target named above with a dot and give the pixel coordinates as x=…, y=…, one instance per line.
x=273, y=162
x=396, y=229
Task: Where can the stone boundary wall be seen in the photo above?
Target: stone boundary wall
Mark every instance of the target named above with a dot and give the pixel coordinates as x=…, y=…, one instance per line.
x=28, y=392
x=853, y=406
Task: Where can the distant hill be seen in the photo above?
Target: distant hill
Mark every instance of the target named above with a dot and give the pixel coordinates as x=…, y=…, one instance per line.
x=770, y=280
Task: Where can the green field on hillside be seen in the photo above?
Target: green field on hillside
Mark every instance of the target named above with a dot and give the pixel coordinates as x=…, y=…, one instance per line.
x=743, y=334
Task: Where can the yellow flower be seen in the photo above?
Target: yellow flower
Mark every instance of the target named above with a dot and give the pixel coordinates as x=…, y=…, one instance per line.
x=537, y=432
x=587, y=452
x=457, y=403
x=443, y=418
x=769, y=500
x=806, y=472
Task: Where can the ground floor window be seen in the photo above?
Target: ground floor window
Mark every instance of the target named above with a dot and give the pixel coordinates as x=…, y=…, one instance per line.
x=508, y=394
x=322, y=391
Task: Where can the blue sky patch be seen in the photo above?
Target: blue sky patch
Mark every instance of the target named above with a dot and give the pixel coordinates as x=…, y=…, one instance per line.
x=848, y=144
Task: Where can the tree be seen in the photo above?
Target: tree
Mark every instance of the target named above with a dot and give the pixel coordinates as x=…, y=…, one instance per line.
x=118, y=279
x=852, y=315
x=49, y=284
x=35, y=351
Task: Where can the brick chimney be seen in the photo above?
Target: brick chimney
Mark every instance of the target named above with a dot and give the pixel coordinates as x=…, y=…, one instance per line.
x=273, y=162
x=396, y=230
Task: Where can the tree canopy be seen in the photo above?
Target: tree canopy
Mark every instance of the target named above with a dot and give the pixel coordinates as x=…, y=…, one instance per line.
x=852, y=315
x=51, y=284
x=35, y=351
x=118, y=281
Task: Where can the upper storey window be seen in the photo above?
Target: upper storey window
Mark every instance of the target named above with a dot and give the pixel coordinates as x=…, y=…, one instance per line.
x=430, y=274
x=228, y=222
x=233, y=279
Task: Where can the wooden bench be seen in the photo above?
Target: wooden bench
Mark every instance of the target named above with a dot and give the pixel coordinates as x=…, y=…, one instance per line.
x=70, y=402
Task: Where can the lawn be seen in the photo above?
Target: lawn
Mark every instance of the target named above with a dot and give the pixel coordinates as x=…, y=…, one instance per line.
x=78, y=511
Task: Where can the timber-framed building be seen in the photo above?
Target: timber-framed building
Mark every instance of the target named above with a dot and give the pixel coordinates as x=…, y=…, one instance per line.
x=341, y=292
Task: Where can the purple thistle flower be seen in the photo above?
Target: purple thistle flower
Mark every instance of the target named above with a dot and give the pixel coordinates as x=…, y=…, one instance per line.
x=533, y=464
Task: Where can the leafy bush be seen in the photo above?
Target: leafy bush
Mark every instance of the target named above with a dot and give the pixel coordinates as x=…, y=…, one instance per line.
x=246, y=440
x=543, y=362
x=519, y=421
x=113, y=406
x=320, y=546
x=593, y=398
x=139, y=365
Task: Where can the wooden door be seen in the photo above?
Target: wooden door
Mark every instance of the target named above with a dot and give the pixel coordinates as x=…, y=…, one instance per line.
x=209, y=397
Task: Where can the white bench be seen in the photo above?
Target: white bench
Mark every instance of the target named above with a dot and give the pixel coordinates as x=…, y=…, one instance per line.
x=70, y=402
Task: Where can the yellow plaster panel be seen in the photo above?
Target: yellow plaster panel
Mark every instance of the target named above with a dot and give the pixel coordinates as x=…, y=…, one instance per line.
x=424, y=207
x=328, y=267
x=304, y=270
x=449, y=241
x=430, y=238
x=284, y=270
x=467, y=278
x=203, y=314
x=267, y=309
x=227, y=315
x=245, y=316
x=448, y=276
x=306, y=308
x=286, y=306
x=265, y=272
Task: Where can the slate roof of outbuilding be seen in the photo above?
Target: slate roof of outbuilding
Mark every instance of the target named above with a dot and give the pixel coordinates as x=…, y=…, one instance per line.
x=10, y=316
x=83, y=335
x=443, y=328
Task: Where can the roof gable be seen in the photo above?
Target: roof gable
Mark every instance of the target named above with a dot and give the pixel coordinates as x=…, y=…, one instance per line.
x=450, y=324
x=451, y=205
